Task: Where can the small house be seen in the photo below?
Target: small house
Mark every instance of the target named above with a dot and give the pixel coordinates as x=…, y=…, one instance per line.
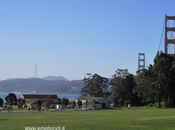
x=31, y=99
x=92, y=105
x=101, y=100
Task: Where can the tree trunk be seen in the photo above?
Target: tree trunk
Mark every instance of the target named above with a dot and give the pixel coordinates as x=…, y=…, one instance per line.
x=159, y=101
x=169, y=101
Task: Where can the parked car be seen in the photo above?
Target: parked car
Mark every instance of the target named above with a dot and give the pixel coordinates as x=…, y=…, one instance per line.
x=69, y=108
x=43, y=108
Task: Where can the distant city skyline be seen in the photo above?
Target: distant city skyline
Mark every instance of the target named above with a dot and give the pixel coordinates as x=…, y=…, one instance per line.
x=72, y=38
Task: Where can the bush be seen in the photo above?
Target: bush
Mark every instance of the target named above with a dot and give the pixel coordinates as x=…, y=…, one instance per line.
x=28, y=109
x=150, y=105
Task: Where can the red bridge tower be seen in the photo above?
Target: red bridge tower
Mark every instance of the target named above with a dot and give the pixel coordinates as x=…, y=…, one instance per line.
x=171, y=30
x=141, y=61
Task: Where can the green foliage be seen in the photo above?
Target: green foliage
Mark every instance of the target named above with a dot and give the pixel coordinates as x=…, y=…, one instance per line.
x=164, y=68
x=86, y=104
x=146, y=88
x=29, y=109
x=123, y=84
x=33, y=108
x=157, y=83
x=94, y=86
x=38, y=104
x=21, y=102
x=79, y=103
x=73, y=104
x=64, y=102
x=46, y=104
x=11, y=99
x=1, y=102
x=94, y=105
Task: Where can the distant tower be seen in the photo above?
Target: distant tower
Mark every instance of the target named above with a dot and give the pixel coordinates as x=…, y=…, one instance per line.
x=171, y=40
x=35, y=71
x=141, y=61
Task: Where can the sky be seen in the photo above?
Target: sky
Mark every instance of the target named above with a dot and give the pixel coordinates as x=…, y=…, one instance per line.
x=70, y=38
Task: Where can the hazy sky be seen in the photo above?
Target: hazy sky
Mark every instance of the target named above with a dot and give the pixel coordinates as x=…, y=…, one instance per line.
x=73, y=37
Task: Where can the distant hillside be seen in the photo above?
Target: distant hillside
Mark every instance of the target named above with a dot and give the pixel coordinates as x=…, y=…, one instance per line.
x=41, y=86
x=55, y=78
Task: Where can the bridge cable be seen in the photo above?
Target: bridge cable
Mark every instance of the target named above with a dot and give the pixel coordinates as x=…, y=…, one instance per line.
x=161, y=35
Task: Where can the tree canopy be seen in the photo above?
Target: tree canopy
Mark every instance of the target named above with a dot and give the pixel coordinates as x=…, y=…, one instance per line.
x=21, y=102
x=11, y=99
x=157, y=82
x=38, y=104
x=64, y=102
x=1, y=102
x=79, y=103
x=154, y=84
x=94, y=86
x=122, y=86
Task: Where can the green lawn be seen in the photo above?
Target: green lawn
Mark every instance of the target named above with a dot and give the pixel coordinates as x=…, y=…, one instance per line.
x=157, y=119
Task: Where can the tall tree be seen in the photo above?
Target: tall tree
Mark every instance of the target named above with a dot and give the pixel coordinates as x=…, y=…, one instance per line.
x=21, y=102
x=117, y=84
x=86, y=103
x=94, y=86
x=79, y=103
x=157, y=82
x=47, y=105
x=11, y=99
x=122, y=86
x=164, y=68
x=64, y=102
x=38, y=104
x=147, y=88
x=1, y=102
x=73, y=104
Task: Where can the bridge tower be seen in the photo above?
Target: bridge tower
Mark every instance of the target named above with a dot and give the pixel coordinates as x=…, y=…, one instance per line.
x=141, y=61
x=171, y=40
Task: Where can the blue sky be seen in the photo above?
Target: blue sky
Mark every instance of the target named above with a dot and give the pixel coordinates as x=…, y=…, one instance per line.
x=73, y=37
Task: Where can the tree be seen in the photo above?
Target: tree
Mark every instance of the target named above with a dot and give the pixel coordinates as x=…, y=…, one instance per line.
x=58, y=101
x=33, y=108
x=157, y=82
x=94, y=86
x=73, y=104
x=79, y=103
x=64, y=102
x=122, y=86
x=164, y=68
x=146, y=87
x=11, y=99
x=86, y=104
x=47, y=105
x=94, y=105
x=21, y=102
x=38, y=104
x=130, y=97
x=1, y=102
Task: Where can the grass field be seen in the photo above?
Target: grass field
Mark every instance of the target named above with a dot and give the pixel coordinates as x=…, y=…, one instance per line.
x=136, y=119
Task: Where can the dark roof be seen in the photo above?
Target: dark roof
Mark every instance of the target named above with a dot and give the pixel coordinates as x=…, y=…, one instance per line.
x=89, y=98
x=43, y=101
x=36, y=96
